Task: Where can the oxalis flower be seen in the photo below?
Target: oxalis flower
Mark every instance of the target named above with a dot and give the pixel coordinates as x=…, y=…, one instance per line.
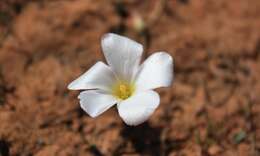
x=124, y=82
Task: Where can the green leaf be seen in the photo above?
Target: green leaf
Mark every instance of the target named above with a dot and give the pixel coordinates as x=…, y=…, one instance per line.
x=239, y=137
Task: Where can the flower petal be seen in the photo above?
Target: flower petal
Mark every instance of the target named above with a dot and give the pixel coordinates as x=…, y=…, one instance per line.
x=122, y=54
x=155, y=72
x=138, y=108
x=95, y=102
x=98, y=76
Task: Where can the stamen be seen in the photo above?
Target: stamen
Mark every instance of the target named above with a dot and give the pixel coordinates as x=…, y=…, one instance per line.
x=123, y=90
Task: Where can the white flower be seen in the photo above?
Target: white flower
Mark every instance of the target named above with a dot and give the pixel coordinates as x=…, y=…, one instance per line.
x=124, y=82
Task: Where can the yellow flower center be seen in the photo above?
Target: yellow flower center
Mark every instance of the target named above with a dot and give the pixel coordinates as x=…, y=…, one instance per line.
x=123, y=90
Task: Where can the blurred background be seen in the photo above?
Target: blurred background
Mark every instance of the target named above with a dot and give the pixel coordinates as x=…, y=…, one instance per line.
x=212, y=109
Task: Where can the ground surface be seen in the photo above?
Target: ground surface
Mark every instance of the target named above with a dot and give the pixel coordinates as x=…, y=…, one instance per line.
x=212, y=109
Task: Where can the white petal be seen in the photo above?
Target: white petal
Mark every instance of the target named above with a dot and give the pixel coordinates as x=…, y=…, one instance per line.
x=99, y=76
x=122, y=54
x=155, y=72
x=138, y=108
x=95, y=102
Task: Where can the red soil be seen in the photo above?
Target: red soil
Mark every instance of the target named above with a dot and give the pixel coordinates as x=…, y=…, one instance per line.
x=213, y=108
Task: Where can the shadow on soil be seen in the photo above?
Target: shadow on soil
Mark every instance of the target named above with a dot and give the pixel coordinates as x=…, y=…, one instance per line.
x=145, y=139
x=4, y=148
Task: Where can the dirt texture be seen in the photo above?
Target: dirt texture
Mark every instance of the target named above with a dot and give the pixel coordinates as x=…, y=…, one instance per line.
x=212, y=109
